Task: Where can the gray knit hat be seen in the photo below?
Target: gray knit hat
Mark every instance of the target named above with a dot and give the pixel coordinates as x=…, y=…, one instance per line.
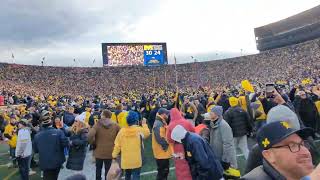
x=283, y=113
x=218, y=110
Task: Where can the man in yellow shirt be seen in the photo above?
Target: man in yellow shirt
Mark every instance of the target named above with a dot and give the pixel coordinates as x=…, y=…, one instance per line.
x=129, y=142
x=10, y=132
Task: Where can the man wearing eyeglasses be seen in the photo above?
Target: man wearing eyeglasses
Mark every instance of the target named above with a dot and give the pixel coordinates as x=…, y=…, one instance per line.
x=285, y=153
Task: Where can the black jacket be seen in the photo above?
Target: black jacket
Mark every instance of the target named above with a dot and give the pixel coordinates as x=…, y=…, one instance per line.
x=254, y=158
x=224, y=102
x=307, y=111
x=77, y=151
x=239, y=121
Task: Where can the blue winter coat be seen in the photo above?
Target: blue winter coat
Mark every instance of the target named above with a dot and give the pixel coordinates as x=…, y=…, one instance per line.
x=49, y=143
x=202, y=160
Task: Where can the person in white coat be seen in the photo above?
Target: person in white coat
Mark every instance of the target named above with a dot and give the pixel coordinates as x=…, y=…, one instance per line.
x=23, y=149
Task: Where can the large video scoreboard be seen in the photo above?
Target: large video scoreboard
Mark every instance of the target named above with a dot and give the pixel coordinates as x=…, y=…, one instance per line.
x=148, y=54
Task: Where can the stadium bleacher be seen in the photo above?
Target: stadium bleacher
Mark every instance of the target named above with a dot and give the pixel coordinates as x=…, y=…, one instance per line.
x=292, y=63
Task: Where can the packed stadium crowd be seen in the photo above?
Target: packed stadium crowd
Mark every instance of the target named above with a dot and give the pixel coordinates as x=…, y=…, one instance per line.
x=198, y=121
x=125, y=54
x=290, y=64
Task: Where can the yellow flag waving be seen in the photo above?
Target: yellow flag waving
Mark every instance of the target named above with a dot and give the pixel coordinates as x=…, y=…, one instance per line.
x=246, y=85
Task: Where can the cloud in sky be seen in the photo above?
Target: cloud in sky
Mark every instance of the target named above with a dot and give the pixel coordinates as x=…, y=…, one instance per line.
x=63, y=30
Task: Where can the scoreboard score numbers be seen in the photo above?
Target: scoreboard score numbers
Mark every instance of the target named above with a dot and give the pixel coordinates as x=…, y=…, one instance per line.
x=153, y=55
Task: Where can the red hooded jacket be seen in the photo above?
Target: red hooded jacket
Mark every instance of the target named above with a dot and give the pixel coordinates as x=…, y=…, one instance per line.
x=182, y=167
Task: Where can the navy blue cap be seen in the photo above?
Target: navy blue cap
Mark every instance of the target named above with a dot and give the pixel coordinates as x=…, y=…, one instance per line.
x=163, y=111
x=273, y=133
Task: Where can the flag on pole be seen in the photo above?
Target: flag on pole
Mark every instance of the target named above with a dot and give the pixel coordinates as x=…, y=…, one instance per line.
x=175, y=68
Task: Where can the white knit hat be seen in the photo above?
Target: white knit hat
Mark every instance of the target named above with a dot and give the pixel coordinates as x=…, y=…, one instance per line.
x=178, y=133
x=81, y=117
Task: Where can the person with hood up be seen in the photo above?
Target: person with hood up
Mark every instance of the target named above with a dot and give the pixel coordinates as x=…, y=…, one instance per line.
x=181, y=165
x=78, y=144
x=102, y=135
x=239, y=121
x=129, y=142
x=200, y=156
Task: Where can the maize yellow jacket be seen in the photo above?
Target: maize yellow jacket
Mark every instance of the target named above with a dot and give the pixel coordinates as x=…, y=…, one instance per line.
x=128, y=143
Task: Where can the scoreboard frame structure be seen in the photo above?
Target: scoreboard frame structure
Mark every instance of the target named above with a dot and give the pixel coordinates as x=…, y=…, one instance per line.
x=164, y=51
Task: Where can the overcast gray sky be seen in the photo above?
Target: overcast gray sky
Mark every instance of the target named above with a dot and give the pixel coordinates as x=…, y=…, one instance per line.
x=62, y=30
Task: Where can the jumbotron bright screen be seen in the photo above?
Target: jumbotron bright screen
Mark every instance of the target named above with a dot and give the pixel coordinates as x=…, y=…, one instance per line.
x=122, y=54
